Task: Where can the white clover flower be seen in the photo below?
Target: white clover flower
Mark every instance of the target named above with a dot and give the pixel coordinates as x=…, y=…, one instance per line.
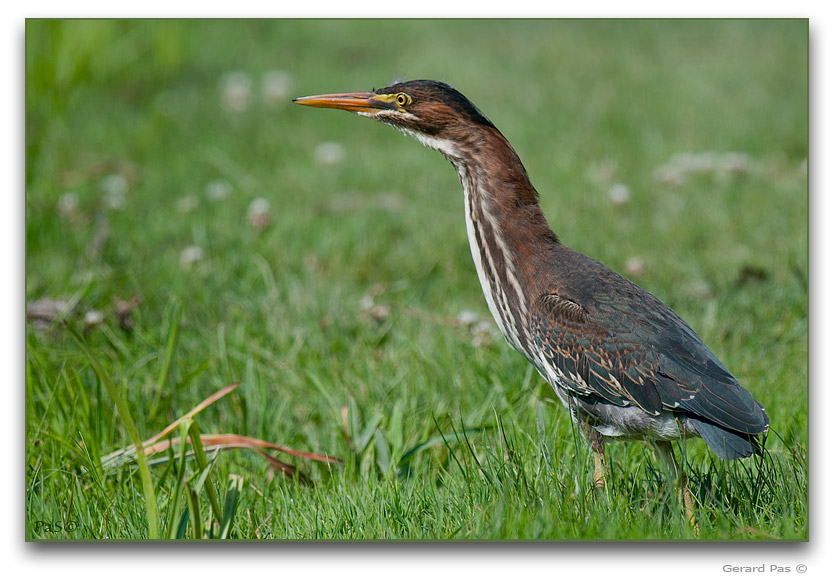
x=93, y=318
x=258, y=213
x=68, y=203
x=276, y=87
x=190, y=255
x=114, y=188
x=329, y=153
x=187, y=203
x=236, y=91
x=634, y=266
x=619, y=194
x=218, y=189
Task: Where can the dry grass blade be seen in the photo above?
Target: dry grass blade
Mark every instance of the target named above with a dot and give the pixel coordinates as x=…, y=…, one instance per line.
x=285, y=468
x=115, y=458
x=205, y=403
x=274, y=462
x=213, y=442
x=232, y=441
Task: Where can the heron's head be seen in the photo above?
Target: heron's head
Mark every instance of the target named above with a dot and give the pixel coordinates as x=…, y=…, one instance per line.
x=430, y=111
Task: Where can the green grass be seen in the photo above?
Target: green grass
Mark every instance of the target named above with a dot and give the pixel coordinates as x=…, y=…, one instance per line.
x=444, y=433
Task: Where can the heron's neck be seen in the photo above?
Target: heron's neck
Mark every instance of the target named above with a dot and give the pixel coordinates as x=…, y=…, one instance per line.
x=506, y=229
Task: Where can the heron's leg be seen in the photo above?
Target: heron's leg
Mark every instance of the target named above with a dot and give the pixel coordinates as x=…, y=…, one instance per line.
x=664, y=448
x=598, y=448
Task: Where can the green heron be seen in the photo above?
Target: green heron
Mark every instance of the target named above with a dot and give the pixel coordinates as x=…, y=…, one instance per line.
x=621, y=361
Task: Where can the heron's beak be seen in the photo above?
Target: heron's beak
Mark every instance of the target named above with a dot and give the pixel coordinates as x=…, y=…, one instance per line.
x=354, y=102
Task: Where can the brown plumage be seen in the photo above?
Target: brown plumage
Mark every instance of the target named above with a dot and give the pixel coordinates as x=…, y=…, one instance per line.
x=622, y=362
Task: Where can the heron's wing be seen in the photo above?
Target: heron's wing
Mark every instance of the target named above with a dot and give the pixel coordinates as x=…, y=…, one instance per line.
x=622, y=344
x=594, y=359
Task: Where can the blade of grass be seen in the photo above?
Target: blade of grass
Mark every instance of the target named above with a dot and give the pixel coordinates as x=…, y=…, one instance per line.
x=363, y=439
x=169, y=466
x=194, y=511
x=180, y=476
x=203, y=475
x=191, y=375
x=234, y=487
x=124, y=413
x=192, y=492
x=318, y=382
x=202, y=463
x=182, y=526
x=437, y=440
x=383, y=457
x=173, y=333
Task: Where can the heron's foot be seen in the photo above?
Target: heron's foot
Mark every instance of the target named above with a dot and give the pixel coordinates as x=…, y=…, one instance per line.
x=685, y=497
x=599, y=470
x=684, y=493
x=598, y=449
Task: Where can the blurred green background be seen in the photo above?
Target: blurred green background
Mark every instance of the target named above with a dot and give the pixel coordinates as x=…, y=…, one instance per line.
x=322, y=259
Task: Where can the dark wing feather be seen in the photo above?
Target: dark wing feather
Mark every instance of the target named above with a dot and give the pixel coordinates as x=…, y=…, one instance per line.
x=614, y=340
x=726, y=444
x=591, y=357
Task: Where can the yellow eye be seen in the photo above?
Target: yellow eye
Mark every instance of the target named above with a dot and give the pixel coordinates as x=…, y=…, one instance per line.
x=403, y=99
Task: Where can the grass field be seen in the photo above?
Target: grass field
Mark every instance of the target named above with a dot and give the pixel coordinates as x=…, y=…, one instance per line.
x=188, y=229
